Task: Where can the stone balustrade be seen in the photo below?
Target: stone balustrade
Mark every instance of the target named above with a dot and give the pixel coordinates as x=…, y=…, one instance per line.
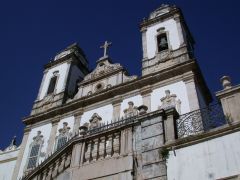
x=103, y=147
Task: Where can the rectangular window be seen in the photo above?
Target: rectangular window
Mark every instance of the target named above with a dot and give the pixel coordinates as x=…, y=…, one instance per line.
x=52, y=85
x=162, y=42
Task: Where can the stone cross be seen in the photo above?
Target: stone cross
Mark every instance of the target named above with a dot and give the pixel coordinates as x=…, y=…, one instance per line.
x=105, y=47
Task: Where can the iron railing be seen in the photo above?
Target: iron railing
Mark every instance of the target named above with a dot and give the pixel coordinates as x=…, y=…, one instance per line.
x=200, y=120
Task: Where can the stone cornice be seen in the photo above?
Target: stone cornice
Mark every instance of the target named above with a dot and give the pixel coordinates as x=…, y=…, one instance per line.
x=116, y=90
x=165, y=16
x=84, y=82
x=227, y=92
x=203, y=137
x=68, y=58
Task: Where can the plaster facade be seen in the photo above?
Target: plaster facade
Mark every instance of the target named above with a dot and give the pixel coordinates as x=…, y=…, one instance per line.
x=217, y=158
x=107, y=124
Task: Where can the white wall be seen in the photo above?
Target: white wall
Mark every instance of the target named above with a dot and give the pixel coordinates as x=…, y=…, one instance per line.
x=170, y=26
x=213, y=159
x=62, y=68
x=7, y=164
x=178, y=88
x=45, y=131
x=105, y=112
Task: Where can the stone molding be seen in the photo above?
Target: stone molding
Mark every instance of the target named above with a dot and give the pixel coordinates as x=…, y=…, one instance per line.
x=121, y=89
x=204, y=136
x=230, y=100
x=163, y=17
x=68, y=148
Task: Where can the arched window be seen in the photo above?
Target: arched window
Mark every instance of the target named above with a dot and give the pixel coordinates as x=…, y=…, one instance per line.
x=52, y=85
x=162, y=42
x=35, y=150
x=63, y=137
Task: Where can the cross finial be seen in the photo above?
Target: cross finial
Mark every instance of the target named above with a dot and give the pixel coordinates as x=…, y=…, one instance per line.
x=105, y=47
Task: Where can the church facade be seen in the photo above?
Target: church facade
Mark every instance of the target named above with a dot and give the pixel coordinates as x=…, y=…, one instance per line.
x=107, y=124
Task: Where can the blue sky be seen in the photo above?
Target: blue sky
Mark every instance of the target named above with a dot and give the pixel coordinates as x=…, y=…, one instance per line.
x=32, y=32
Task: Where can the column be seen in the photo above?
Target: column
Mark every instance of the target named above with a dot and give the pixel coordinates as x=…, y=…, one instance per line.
x=144, y=42
x=116, y=108
x=21, y=152
x=146, y=95
x=77, y=121
x=52, y=138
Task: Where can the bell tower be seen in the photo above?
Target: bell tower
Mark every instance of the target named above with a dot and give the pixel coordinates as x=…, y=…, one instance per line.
x=60, y=78
x=166, y=40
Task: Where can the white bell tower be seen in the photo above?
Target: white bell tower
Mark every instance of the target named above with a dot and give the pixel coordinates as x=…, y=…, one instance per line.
x=60, y=78
x=166, y=39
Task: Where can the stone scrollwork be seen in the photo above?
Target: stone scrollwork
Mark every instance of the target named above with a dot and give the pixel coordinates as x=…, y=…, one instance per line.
x=131, y=110
x=170, y=100
x=95, y=121
x=102, y=68
x=64, y=135
x=65, y=130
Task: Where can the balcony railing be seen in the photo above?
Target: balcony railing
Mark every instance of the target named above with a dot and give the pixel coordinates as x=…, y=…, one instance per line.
x=200, y=120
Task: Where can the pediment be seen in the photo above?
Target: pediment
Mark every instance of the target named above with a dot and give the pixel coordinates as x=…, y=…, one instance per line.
x=105, y=76
x=103, y=68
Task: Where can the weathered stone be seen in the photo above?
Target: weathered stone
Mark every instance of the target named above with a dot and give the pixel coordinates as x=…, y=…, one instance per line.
x=152, y=130
x=154, y=170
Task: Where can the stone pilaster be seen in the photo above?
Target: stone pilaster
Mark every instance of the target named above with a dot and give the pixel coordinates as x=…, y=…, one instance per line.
x=77, y=121
x=170, y=126
x=230, y=100
x=144, y=42
x=146, y=95
x=42, y=83
x=116, y=108
x=126, y=141
x=179, y=28
x=191, y=91
x=21, y=152
x=76, y=155
x=52, y=138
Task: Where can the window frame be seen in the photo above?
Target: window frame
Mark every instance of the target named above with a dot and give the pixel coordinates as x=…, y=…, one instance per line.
x=37, y=140
x=55, y=75
x=160, y=32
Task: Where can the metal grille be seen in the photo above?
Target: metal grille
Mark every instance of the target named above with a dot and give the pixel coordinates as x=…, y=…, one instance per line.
x=200, y=120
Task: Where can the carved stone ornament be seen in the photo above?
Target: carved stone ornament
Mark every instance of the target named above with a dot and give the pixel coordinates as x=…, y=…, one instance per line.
x=95, y=121
x=47, y=100
x=226, y=82
x=65, y=131
x=165, y=8
x=131, y=110
x=12, y=145
x=83, y=129
x=142, y=109
x=102, y=68
x=170, y=100
x=163, y=56
x=38, y=139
